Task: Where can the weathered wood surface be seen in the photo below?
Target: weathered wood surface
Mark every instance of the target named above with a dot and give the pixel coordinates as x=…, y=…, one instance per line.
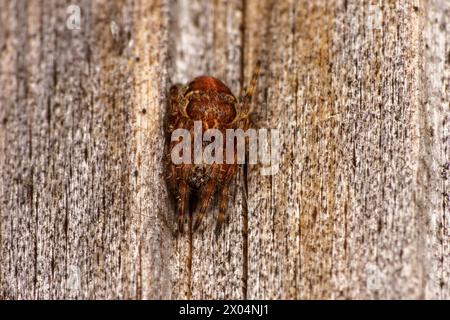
x=358, y=209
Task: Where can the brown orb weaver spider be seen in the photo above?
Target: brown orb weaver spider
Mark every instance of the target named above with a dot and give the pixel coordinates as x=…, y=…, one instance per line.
x=209, y=100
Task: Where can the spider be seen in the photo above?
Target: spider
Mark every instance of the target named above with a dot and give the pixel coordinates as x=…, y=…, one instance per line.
x=209, y=100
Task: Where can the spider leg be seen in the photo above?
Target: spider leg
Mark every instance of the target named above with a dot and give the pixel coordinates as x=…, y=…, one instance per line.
x=223, y=205
x=177, y=181
x=205, y=197
x=246, y=99
x=222, y=209
x=182, y=200
x=178, y=101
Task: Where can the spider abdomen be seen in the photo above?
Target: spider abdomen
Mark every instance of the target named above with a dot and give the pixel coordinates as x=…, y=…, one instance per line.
x=193, y=183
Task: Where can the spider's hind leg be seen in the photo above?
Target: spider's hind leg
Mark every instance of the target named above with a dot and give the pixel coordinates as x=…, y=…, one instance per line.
x=182, y=199
x=204, y=200
x=223, y=205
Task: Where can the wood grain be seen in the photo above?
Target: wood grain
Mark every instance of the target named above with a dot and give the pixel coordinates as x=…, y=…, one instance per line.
x=358, y=210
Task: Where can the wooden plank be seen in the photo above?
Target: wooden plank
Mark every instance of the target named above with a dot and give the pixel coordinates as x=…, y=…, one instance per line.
x=358, y=209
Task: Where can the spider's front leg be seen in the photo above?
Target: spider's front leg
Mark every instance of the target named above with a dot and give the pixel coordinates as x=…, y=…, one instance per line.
x=246, y=100
x=178, y=101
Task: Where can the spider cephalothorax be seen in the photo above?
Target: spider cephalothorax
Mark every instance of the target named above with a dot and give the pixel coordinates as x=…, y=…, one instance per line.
x=209, y=101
